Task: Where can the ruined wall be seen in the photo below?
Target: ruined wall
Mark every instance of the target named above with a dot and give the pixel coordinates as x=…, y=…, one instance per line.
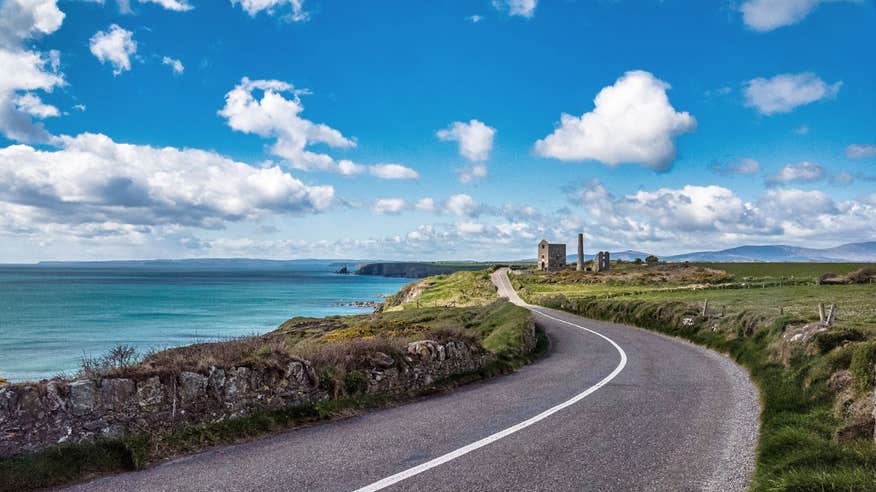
x=34, y=416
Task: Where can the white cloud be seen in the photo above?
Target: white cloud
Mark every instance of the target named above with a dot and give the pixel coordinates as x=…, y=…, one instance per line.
x=802, y=130
x=392, y=171
x=474, y=19
x=79, y=107
x=632, y=122
x=475, y=139
x=32, y=104
x=470, y=228
x=804, y=172
x=92, y=182
x=390, y=206
x=475, y=145
x=425, y=205
x=860, y=151
x=472, y=174
x=175, y=5
x=276, y=116
x=115, y=45
x=742, y=166
x=691, y=207
x=174, y=64
x=25, y=70
x=766, y=15
x=461, y=205
x=788, y=204
x=784, y=92
x=295, y=8
x=521, y=8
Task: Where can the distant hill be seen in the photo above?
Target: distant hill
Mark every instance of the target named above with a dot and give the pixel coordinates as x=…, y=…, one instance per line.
x=204, y=263
x=415, y=270
x=853, y=252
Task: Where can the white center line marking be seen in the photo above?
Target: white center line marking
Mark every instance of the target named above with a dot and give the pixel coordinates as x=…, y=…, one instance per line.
x=410, y=472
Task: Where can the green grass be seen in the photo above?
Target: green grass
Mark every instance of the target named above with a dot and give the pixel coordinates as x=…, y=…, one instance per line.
x=799, y=449
x=463, y=288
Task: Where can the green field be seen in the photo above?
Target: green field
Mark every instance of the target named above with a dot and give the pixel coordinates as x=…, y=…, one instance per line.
x=788, y=289
x=817, y=392
x=784, y=270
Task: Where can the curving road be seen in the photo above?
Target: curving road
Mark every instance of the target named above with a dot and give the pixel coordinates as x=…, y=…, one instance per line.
x=611, y=407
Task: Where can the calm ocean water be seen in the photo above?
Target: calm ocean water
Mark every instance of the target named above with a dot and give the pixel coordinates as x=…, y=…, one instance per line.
x=51, y=315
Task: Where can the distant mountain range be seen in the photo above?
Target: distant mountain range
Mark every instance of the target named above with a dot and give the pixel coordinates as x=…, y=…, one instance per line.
x=852, y=252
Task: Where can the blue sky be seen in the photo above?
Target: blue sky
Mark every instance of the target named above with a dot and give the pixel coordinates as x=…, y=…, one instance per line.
x=398, y=129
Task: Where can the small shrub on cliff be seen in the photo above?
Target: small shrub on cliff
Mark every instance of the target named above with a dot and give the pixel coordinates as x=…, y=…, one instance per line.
x=863, y=365
x=116, y=359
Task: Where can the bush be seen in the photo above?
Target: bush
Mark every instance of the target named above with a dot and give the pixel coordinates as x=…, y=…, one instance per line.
x=862, y=367
x=355, y=382
x=118, y=358
x=829, y=340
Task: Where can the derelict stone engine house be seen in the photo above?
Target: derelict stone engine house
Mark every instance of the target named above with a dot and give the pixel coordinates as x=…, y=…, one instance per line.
x=551, y=257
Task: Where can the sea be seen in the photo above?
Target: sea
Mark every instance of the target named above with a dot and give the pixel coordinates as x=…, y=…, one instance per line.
x=53, y=315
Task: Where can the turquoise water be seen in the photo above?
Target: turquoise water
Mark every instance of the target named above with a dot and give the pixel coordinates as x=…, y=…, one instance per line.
x=50, y=316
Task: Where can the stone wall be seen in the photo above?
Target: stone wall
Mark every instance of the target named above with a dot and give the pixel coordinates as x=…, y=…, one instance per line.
x=35, y=416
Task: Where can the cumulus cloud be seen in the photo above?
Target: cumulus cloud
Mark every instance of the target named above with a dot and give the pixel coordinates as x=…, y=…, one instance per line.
x=392, y=171
x=293, y=9
x=741, y=166
x=785, y=92
x=804, y=172
x=24, y=70
x=475, y=139
x=520, y=8
x=632, y=122
x=475, y=145
x=91, y=182
x=174, y=64
x=390, y=206
x=767, y=15
x=277, y=116
x=175, y=5
x=115, y=45
x=461, y=205
x=32, y=104
x=860, y=151
x=474, y=19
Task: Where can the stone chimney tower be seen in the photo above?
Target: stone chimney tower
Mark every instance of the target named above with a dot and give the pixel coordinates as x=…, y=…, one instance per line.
x=580, y=253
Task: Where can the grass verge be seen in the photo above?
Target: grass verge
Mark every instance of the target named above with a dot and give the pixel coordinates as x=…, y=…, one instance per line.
x=799, y=448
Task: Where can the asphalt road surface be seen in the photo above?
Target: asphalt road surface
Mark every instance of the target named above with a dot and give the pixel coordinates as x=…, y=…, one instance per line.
x=611, y=407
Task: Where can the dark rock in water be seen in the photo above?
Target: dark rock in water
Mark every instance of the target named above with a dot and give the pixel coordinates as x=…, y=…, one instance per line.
x=343, y=270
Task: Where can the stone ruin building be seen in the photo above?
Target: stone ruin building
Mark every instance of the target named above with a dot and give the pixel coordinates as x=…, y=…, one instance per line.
x=551, y=257
x=601, y=262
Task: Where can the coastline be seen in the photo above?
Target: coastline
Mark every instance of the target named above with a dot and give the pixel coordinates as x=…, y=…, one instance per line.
x=50, y=317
